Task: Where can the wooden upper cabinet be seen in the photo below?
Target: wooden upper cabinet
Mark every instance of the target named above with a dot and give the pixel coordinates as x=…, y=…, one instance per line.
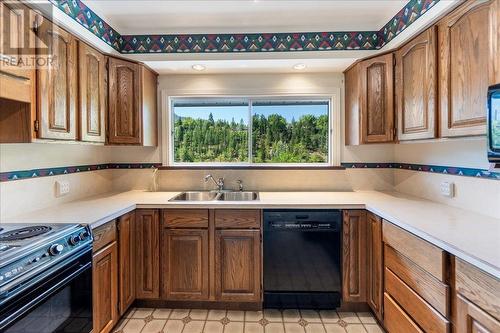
x=469, y=63
x=354, y=256
x=147, y=226
x=377, y=99
x=238, y=265
x=126, y=259
x=416, y=84
x=375, y=285
x=132, y=104
x=352, y=106
x=92, y=84
x=124, y=103
x=57, y=84
x=185, y=264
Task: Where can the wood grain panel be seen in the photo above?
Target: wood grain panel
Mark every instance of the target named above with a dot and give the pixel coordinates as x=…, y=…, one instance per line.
x=103, y=235
x=185, y=264
x=375, y=258
x=105, y=289
x=149, y=107
x=424, y=284
x=478, y=286
x=92, y=86
x=126, y=256
x=417, y=308
x=237, y=219
x=468, y=62
x=354, y=256
x=147, y=223
x=429, y=257
x=15, y=121
x=416, y=87
x=124, y=103
x=396, y=320
x=57, y=84
x=377, y=99
x=472, y=319
x=352, y=106
x=238, y=265
x=185, y=218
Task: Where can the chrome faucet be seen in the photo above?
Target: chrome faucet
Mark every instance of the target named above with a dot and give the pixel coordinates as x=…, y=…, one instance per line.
x=219, y=183
x=240, y=185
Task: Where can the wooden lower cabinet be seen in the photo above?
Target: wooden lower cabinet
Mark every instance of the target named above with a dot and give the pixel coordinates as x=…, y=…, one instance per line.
x=354, y=256
x=185, y=264
x=472, y=319
x=105, y=288
x=375, y=285
x=237, y=265
x=126, y=256
x=147, y=226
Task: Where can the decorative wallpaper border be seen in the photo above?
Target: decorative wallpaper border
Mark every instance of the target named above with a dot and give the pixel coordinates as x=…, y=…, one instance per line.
x=38, y=173
x=255, y=42
x=448, y=170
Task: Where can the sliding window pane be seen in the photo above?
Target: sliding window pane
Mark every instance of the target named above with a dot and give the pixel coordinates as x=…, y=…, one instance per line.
x=210, y=131
x=290, y=131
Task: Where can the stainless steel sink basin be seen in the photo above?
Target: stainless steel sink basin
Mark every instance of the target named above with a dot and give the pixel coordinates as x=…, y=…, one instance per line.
x=239, y=196
x=212, y=196
x=195, y=196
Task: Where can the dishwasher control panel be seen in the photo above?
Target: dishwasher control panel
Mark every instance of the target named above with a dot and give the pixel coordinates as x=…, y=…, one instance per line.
x=303, y=220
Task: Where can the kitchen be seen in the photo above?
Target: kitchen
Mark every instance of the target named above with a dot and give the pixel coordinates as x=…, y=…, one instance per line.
x=249, y=166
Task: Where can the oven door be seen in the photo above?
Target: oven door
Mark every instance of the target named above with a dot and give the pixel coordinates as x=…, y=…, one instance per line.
x=60, y=302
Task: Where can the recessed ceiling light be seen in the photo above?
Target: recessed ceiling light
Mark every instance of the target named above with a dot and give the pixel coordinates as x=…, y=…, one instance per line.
x=299, y=66
x=198, y=67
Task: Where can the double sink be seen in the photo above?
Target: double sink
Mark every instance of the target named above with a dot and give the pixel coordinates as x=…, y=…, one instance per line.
x=216, y=196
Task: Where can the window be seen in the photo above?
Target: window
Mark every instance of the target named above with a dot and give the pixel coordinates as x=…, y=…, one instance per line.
x=252, y=131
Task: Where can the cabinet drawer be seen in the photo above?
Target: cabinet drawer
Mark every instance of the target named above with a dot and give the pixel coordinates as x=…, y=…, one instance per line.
x=185, y=218
x=104, y=235
x=396, y=320
x=424, y=284
x=16, y=88
x=425, y=315
x=479, y=287
x=431, y=258
x=237, y=219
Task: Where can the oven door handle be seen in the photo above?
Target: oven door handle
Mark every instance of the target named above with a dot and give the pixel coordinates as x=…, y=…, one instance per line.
x=44, y=295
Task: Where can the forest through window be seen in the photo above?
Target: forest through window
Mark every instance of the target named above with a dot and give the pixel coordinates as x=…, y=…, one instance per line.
x=255, y=131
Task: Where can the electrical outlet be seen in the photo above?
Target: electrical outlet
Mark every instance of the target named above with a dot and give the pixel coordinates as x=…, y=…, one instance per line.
x=447, y=189
x=62, y=188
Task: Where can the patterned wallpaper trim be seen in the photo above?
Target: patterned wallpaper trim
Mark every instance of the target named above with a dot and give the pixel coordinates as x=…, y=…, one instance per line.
x=255, y=42
x=37, y=173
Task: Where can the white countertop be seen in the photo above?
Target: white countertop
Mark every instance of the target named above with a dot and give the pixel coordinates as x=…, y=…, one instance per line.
x=470, y=236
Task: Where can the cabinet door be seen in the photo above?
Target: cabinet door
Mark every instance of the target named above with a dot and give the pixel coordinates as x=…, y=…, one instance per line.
x=92, y=79
x=105, y=288
x=124, y=117
x=238, y=265
x=375, y=264
x=468, y=62
x=57, y=84
x=147, y=228
x=416, y=84
x=126, y=254
x=377, y=99
x=185, y=264
x=472, y=319
x=352, y=106
x=354, y=256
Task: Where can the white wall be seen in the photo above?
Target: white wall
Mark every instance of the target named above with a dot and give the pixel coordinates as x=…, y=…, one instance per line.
x=480, y=195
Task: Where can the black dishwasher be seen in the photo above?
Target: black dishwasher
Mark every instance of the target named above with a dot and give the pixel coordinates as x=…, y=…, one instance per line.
x=302, y=258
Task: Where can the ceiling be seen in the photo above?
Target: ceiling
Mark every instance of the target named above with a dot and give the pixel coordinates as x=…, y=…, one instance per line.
x=173, y=17
x=244, y=16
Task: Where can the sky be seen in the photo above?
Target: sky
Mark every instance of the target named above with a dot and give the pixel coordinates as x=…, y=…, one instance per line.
x=241, y=112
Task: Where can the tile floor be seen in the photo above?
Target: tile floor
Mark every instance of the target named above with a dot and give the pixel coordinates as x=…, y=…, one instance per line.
x=142, y=320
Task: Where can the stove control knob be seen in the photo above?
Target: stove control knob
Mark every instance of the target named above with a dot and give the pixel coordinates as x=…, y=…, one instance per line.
x=56, y=249
x=84, y=235
x=73, y=240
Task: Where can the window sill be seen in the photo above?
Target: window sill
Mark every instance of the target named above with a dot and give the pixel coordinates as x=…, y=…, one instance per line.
x=249, y=167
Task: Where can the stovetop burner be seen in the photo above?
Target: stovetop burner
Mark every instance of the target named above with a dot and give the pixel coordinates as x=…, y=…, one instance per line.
x=23, y=233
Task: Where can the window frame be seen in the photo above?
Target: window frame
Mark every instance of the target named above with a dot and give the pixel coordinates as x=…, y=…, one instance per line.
x=334, y=135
